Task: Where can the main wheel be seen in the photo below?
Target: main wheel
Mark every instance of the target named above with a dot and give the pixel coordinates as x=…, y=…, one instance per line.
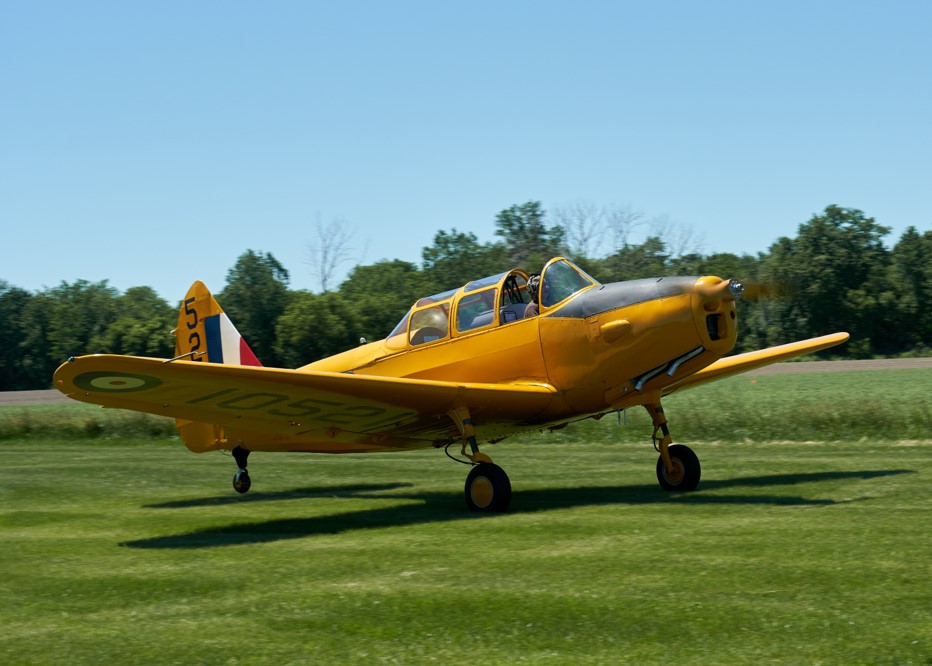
x=686, y=469
x=488, y=489
x=241, y=481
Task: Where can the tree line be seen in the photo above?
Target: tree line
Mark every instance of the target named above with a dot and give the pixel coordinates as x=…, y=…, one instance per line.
x=835, y=274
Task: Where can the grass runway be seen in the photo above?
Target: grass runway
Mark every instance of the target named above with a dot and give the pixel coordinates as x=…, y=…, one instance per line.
x=792, y=552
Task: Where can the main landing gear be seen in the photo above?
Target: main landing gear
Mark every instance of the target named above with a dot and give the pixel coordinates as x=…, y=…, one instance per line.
x=488, y=489
x=677, y=467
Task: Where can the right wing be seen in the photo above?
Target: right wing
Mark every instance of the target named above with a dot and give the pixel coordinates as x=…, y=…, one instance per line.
x=735, y=365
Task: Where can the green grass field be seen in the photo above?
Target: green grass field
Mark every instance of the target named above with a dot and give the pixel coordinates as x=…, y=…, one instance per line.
x=811, y=548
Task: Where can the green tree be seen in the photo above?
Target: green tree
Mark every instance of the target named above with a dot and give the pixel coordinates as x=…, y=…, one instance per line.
x=315, y=326
x=142, y=326
x=15, y=375
x=528, y=241
x=649, y=259
x=910, y=280
x=835, y=275
x=79, y=315
x=723, y=264
x=381, y=293
x=36, y=360
x=455, y=258
x=255, y=296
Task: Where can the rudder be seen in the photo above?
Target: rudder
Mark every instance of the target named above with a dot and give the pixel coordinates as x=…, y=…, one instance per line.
x=206, y=333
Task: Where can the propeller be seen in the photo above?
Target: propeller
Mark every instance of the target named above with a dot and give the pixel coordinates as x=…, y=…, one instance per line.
x=755, y=290
x=714, y=291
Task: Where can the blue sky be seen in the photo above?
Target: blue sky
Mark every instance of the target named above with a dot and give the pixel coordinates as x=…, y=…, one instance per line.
x=153, y=143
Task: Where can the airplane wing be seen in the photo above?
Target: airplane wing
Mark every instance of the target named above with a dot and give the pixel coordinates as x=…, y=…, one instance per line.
x=348, y=412
x=735, y=365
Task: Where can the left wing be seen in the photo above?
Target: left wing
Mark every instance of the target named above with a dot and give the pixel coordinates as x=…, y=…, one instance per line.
x=346, y=412
x=735, y=365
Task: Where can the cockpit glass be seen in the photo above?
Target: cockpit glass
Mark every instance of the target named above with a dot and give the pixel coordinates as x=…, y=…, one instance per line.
x=560, y=281
x=489, y=302
x=401, y=327
x=484, y=282
x=430, y=324
x=436, y=298
x=514, y=290
x=476, y=310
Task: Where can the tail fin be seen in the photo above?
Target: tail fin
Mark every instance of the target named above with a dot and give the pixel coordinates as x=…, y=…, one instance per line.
x=206, y=334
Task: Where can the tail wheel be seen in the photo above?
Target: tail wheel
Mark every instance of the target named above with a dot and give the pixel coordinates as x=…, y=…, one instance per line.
x=488, y=489
x=686, y=469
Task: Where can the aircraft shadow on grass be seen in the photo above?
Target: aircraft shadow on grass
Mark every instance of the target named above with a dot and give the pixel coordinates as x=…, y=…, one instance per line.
x=345, y=490
x=437, y=507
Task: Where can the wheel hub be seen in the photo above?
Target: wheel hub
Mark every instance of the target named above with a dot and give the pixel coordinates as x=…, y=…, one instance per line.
x=674, y=476
x=481, y=492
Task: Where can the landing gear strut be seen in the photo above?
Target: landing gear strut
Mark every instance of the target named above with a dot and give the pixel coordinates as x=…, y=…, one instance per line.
x=241, y=480
x=678, y=467
x=488, y=489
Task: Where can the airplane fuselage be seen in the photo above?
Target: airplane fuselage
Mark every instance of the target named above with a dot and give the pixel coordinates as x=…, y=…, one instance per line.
x=602, y=349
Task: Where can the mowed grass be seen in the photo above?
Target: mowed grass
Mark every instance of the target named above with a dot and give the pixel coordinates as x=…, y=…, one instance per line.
x=814, y=551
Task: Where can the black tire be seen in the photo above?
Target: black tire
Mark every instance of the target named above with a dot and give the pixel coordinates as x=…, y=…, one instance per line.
x=686, y=463
x=241, y=481
x=488, y=489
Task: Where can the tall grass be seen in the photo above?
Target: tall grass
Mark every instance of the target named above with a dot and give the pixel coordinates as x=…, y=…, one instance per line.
x=80, y=421
x=821, y=407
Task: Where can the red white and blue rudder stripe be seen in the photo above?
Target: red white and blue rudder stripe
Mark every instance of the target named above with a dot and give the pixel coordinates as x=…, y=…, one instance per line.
x=225, y=344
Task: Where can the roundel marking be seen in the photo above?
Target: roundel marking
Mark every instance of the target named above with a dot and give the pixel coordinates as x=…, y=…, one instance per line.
x=115, y=382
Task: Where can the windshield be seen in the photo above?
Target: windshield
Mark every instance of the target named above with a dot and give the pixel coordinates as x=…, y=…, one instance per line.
x=401, y=327
x=561, y=280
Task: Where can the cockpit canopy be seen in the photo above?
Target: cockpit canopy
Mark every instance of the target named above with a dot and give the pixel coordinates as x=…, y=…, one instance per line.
x=493, y=301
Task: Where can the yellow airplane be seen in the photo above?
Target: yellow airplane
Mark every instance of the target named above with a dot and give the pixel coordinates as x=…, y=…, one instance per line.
x=470, y=365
